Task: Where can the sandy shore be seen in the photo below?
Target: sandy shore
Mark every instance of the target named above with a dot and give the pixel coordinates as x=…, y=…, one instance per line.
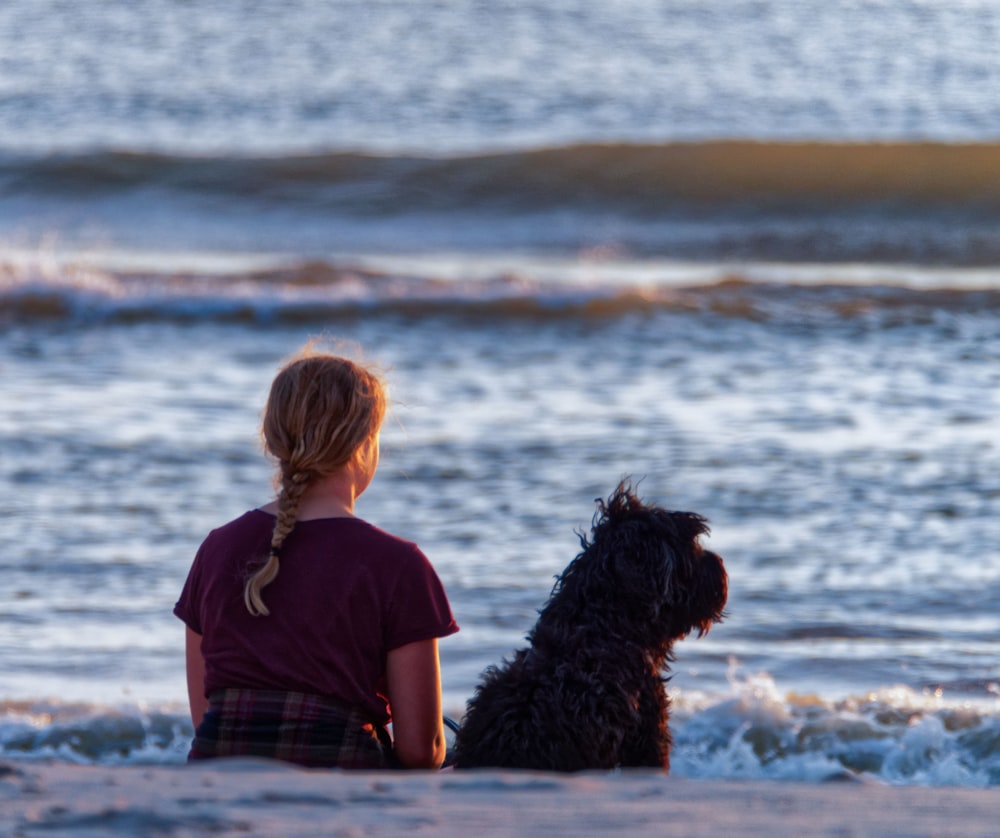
x=251, y=798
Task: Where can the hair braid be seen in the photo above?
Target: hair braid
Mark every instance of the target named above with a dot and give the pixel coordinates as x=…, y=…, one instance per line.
x=292, y=488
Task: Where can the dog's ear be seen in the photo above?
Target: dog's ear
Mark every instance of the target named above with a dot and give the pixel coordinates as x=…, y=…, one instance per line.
x=658, y=559
x=695, y=585
x=679, y=533
x=637, y=555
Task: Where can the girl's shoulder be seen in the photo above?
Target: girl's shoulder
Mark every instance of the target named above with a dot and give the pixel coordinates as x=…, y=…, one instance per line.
x=360, y=535
x=252, y=524
x=377, y=534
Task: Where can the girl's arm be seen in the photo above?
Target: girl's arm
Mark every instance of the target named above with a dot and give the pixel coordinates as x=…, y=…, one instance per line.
x=413, y=673
x=195, y=677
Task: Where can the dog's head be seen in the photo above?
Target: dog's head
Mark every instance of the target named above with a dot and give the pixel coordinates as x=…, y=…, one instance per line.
x=645, y=568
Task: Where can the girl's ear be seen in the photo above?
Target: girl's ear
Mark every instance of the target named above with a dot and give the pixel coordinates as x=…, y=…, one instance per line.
x=366, y=459
x=372, y=446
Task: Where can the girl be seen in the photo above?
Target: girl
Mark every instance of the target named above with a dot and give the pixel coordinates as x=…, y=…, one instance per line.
x=308, y=629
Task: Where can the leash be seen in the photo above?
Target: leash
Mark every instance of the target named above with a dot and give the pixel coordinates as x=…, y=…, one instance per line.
x=451, y=725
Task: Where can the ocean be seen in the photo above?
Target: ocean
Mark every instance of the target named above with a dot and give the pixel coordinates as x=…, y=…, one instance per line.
x=746, y=252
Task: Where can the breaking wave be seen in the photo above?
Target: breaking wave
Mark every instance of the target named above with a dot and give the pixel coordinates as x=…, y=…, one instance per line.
x=893, y=735
x=318, y=291
x=896, y=735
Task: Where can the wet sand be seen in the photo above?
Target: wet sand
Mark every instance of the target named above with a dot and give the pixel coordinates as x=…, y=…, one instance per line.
x=251, y=798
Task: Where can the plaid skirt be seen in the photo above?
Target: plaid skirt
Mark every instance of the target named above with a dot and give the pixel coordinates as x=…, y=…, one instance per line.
x=308, y=730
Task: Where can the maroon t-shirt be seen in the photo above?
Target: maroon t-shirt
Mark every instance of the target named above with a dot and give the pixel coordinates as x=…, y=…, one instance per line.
x=346, y=594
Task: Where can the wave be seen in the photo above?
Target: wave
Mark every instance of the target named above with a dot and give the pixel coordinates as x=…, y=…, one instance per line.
x=634, y=177
x=894, y=735
x=320, y=291
x=85, y=733
x=924, y=203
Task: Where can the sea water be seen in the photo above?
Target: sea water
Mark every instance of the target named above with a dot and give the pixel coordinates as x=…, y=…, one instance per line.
x=745, y=253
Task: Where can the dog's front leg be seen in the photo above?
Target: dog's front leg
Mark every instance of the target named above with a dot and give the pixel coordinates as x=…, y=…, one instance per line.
x=648, y=745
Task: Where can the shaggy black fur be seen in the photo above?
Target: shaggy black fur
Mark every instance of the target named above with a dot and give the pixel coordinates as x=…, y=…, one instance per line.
x=589, y=692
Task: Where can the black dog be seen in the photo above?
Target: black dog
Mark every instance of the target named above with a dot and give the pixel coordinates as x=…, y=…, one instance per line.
x=589, y=692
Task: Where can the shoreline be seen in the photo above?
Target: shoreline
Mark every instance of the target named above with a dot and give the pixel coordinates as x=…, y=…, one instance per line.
x=249, y=797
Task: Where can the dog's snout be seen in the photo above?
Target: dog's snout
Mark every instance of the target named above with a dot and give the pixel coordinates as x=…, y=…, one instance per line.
x=721, y=583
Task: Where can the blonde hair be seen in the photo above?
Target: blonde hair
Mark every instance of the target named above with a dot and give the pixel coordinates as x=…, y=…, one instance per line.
x=321, y=409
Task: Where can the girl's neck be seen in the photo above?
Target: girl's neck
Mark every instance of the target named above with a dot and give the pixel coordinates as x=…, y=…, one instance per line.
x=328, y=498
x=332, y=496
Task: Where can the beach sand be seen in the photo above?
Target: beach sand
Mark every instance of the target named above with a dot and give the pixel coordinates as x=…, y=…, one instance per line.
x=250, y=798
